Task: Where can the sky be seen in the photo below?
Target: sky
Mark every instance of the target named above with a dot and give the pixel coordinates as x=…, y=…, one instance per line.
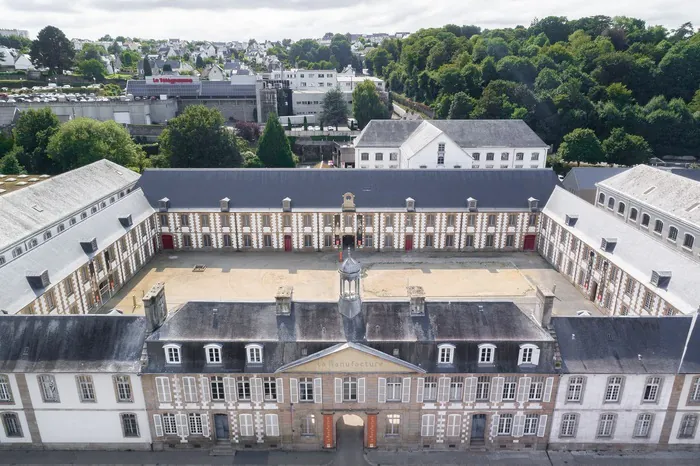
x=225, y=20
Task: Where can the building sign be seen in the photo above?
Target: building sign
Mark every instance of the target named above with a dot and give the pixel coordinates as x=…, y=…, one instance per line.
x=371, y=431
x=327, y=431
x=350, y=360
x=172, y=80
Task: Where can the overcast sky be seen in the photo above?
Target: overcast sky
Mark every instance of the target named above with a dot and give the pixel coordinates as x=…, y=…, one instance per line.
x=223, y=20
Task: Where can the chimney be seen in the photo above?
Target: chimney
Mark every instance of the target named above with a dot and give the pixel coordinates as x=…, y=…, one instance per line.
x=283, y=300
x=154, y=306
x=416, y=297
x=545, y=304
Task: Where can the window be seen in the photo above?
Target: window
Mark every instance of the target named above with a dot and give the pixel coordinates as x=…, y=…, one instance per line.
x=186, y=241
x=287, y=221
x=254, y=354
x=688, y=424
x=456, y=387
x=306, y=219
x=611, y=203
x=483, y=385
x=246, y=425
x=476, y=156
x=505, y=424
x=122, y=388
x=446, y=354
x=347, y=220
x=328, y=241
x=213, y=353
x=531, y=423
x=206, y=240
x=247, y=241
x=510, y=241
x=430, y=220
x=606, y=425
x=350, y=389
x=69, y=287
x=5, y=389
x=509, y=387
x=195, y=423
x=629, y=286
x=643, y=425
x=450, y=220
x=389, y=240
x=172, y=354
x=574, y=392
x=393, y=389
x=601, y=198
x=189, y=388
x=270, y=389
x=621, y=208
x=489, y=156
x=364, y=156
x=469, y=241
x=430, y=389
x=694, y=395
x=489, y=241
x=245, y=220
x=13, y=428
x=185, y=220
x=569, y=422
x=225, y=220
x=648, y=298
x=429, y=240
x=164, y=220
x=633, y=214
x=393, y=156
x=532, y=220
x=427, y=425
x=227, y=241
x=378, y=156
x=306, y=389
x=169, y=424
x=645, y=220
x=536, y=387
x=519, y=155
x=243, y=388
x=613, y=389
x=272, y=426
x=658, y=226
x=72, y=221
x=266, y=220
x=393, y=422
x=471, y=220
x=652, y=389
x=389, y=220
x=308, y=425
x=449, y=241
x=454, y=425
x=50, y=300
x=535, y=156
x=49, y=389
x=217, y=388
x=492, y=220
x=308, y=241
x=672, y=234
x=129, y=425
x=486, y=353
x=688, y=241
x=267, y=241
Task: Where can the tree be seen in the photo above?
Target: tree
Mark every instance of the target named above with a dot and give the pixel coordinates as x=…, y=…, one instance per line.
x=366, y=104
x=6, y=144
x=626, y=149
x=334, y=109
x=306, y=124
x=248, y=131
x=32, y=132
x=129, y=59
x=92, y=69
x=250, y=160
x=199, y=63
x=52, y=50
x=341, y=50
x=83, y=140
x=694, y=105
x=9, y=165
x=273, y=148
x=581, y=145
x=147, y=71
x=90, y=52
x=197, y=138
x=167, y=67
x=461, y=107
x=289, y=124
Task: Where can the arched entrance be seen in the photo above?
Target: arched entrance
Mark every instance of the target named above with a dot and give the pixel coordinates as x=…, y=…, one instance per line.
x=350, y=438
x=348, y=242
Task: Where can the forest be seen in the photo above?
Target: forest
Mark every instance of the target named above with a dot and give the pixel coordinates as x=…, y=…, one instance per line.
x=587, y=83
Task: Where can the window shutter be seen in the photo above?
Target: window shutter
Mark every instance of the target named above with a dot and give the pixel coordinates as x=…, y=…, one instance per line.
x=271, y=425
x=257, y=389
x=361, y=390
x=497, y=389
x=420, y=388
x=190, y=387
x=518, y=425
x=205, y=425
x=536, y=356
x=494, y=425
x=163, y=389
x=381, y=390
x=158, y=424
x=181, y=425
x=520, y=356
x=294, y=390
x=205, y=389
x=338, y=390
x=523, y=389
x=443, y=389
x=548, y=389
x=229, y=389
x=406, y=390
x=318, y=390
x=542, y=425
x=280, y=390
x=469, y=389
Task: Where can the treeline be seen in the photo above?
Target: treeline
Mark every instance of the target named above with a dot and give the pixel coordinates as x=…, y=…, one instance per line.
x=616, y=77
x=309, y=54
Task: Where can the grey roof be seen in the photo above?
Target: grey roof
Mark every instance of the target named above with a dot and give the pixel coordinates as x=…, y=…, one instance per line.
x=676, y=195
x=586, y=177
x=8, y=115
x=376, y=189
x=139, y=88
x=466, y=133
x=691, y=358
x=621, y=345
x=71, y=343
x=636, y=252
x=690, y=173
x=350, y=265
x=57, y=198
x=62, y=254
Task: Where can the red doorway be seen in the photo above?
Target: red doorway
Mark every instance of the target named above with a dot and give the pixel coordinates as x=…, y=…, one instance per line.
x=529, y=243
x=409, y=242
x=287, y=242
x=167, y=241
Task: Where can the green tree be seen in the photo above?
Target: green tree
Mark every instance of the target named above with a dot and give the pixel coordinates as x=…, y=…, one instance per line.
x=167, y=67
x=92, y=69
x=367, y=105
x=52, y=50
x=289, y=124
x=199, y=63
x=334, y=110
x=273, y=147
x=129, y=59
x=147, y=71
x=32, y=132
x=306, y=124
x=341, y=51
x=83, y=140
x=250, y=160
x=581, y=145
x=626, y=149
x=91, y=52
x=461, y=108
x=694, y=105
x=9, y=165
x=112, y=90
x=197, y=138
x=6, y=144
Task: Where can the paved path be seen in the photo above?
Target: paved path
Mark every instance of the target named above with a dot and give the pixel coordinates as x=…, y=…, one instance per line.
x=350, y=443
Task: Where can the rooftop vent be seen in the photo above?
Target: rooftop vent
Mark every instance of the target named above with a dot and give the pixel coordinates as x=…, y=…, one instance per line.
x=660, y=279
x=692, y=207
x=286, y=205
x=164, y=204
x=416, y=298
x=126, y=221
x=533, y=203
x=283, y=300
x=650, y=190
x=89, y=246
x=224, y=204
x=410, y=204
x=37, y=208
x=571, y=220
x=39, y=280
x=471, y=204
x=608, y=244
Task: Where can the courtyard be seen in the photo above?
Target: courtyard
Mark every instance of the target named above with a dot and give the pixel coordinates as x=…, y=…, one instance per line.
x=229, y=276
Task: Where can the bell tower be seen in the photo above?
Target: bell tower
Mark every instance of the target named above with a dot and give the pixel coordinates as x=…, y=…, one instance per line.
x=349, y=303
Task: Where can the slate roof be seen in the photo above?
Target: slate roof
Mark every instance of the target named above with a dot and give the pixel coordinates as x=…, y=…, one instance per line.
x=637, y=253
x=587, y=177
x=690, y=173
x=621, y=345
x=383, y=326
x=676, y=195
x=62, y=254
x=691, y=358
x=71, y=343
x=8, y=115
x=466, y=133
x=58, y=197
x=323, y=189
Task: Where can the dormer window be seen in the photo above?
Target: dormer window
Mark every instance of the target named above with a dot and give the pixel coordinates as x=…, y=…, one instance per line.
x=487, y=353
x=410, y=204
x=213, y=353
x=446, y=354
x=529, y=354
x=471, y=203
x=254, y=353
x=172, y=354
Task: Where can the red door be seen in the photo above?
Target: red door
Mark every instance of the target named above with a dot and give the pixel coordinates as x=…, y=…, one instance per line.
x=529, y=243
x=287, y=243
x=409, y=242
x=167, y=241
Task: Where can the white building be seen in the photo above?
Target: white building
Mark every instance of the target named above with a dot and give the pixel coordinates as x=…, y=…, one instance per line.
x=15, y=32
x=213, y=73
x=72, y=382
x=311, y=102
x=303, y=80
x=499, y=144
x=683, y=432
x=350, y=82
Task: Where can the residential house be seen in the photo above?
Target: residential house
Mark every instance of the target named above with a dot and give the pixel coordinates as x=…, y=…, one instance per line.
x=213, y=73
